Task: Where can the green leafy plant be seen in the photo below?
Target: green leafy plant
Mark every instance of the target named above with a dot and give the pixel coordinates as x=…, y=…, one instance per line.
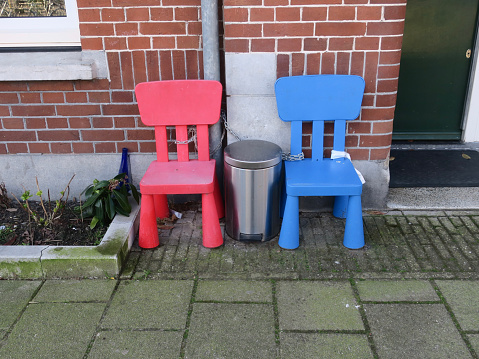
x=50, y=212
x=103, y=199
x=5, y=233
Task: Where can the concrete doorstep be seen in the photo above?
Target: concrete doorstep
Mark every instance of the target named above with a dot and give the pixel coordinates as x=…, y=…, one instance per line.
x=104, y=260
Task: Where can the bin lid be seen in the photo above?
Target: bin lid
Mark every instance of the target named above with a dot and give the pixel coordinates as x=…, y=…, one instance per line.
x=253, y=154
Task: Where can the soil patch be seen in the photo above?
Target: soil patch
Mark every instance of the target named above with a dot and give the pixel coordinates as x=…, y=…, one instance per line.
x=17, y=228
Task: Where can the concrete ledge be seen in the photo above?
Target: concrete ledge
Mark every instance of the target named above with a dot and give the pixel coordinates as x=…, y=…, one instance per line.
x=104, y=260
x=48, y=66
x=431, y=198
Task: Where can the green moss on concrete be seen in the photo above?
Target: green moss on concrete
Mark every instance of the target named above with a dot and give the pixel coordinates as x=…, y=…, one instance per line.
x=104, y=260
x=20, y=270
x=80, y=268
x=114, y=243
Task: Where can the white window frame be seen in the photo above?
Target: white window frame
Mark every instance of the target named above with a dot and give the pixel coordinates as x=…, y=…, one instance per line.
x=36, y=32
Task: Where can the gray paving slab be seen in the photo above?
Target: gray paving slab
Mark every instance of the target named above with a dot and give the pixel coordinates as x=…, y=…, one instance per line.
x=75, y=291
x=414, y=331
x=474, y=340
x=161, y=304
x=14, y=296
x=53, y=330
x=324, y=346
x=315, y=305
x=136, y=345
x=462, y=297
x=226, y=330
x=234, y=291
x=397, y=290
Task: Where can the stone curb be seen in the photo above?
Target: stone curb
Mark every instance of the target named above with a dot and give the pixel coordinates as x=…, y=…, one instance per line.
x=104, y=260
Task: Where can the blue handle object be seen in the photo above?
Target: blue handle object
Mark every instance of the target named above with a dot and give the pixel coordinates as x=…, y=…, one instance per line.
x=125, y=165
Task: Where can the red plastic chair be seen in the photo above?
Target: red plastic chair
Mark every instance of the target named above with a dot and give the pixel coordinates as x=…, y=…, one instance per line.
x=180, y=103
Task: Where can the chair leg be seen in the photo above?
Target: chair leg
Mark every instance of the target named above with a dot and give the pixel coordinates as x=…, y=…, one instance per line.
x=220, y=208
x=340, y=208
x=354, y=231
x=282, y=200
x=161, y=206
x=148, y=234
x=212, y=236
x=289, y=235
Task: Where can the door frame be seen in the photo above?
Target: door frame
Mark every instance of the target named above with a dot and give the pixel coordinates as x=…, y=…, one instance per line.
x=470, y=125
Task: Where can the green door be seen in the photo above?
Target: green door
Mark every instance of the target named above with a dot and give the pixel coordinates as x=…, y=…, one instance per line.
x=434, y=72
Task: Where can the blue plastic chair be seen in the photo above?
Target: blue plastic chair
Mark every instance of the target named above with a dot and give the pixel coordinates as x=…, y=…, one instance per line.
x=320, y=98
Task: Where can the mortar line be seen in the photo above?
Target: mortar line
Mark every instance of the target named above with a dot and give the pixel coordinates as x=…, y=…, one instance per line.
x=439, y=238
x=454, y=319
x=362, y=313
x=325, y=331
x=467, y=227
x=425, y=234
x=98, y=327
x=276, y=317
x=454, y=241
x=449, y=236
x=408, y=244
x=184, y=341
x=473, y=249
x=458, y=246
x=4, y=340
x=382, y=235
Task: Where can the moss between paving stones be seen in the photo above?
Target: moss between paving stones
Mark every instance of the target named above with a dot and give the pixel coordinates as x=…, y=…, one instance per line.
x=234, y=291
x=85, y=290
x=391, y=291
x=41, y=332
x=459, y=295
x=161, y=304
x=414, y=331
x=14, y=296
x=136, y=344
x=225, y=330
x=325, y=346
x=315, y=305
x=474, y=340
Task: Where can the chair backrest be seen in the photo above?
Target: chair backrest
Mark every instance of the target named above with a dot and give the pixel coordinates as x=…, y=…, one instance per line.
x=180, y=103
x=319, y=98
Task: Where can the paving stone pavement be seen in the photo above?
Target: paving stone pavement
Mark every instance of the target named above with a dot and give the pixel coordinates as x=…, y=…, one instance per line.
x=411, y=292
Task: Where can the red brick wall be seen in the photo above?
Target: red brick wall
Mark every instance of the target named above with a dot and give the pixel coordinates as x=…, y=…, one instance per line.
x=359, y=37
x=161, y=39
x=145, y=41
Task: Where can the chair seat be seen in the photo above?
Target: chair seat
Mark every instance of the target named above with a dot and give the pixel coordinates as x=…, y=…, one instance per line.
x=179, y=177
x=322, y=178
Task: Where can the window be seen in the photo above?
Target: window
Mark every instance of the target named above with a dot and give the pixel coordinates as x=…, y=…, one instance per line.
x=39, y=24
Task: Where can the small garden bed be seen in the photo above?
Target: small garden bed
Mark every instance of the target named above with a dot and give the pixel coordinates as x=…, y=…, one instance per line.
x=68, y=239
x=18, y=228
x=62, y=222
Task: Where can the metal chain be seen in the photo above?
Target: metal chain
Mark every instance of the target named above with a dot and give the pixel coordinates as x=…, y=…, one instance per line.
x=289, y=157
x=284, y=156
x=230, y=130
x=184, y=142
x=192, y=133
x=220, y=143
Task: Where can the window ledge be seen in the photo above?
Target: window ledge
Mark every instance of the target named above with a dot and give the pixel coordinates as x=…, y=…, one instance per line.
x=50, y=66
